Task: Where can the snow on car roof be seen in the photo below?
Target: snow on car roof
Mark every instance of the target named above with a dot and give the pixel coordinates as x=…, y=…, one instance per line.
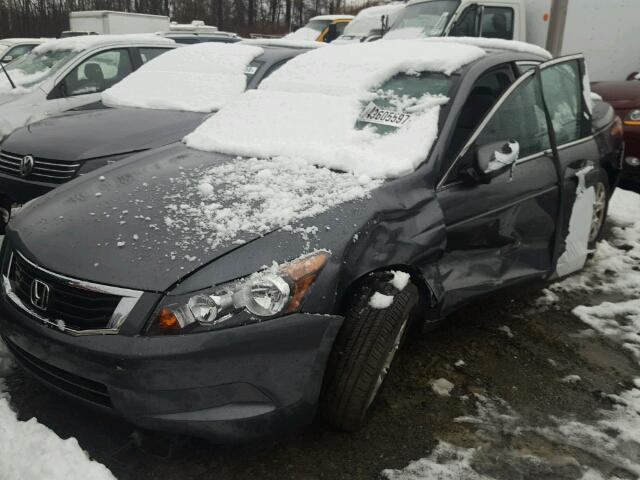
x=196, y=78
x=331, y=17
x=494, y=44
x=284, y=42
x=13, y=41
x=77, y=44
x=309, y=108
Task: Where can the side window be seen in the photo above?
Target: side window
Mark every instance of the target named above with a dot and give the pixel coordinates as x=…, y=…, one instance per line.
x=97, y=73
x=485, y=93
x=20, y=50
x=467, y=24
x=497, y=22
x=150, y=53
x=562, y=88
x=520, y=118
x=340, y=28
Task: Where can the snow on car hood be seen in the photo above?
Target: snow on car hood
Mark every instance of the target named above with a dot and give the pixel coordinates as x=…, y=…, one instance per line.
x=308, y=109
x=197, y=78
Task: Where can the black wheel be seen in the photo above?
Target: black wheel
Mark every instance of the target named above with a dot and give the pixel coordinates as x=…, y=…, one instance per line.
x=600, y=208
x=364, y=351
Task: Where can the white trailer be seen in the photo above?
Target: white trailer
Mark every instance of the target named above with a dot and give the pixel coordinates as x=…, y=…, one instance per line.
x=605, y=31
x=108, y=22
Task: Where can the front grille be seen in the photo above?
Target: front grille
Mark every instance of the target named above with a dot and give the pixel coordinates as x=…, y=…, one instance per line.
x=44, y=169
x=81, y=387
x=69, y=306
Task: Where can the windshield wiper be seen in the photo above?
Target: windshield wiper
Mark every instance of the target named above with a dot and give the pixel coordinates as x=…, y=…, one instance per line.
x=13, y=85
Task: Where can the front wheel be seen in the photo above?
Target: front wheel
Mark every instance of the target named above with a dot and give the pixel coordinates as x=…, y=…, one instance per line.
x=373, y=330
x=600, y=209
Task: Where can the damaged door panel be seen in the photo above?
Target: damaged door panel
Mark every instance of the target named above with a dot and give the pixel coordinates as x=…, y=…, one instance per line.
x=501, y=217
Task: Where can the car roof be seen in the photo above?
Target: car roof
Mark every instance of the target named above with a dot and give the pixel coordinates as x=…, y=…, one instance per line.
x=333, y=17
x=16, y=41
x=88, y=42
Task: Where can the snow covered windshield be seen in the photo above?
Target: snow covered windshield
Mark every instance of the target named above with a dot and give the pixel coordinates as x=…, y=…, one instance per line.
x=370, y=109
x=425, y=19
x=310, y=31
x=32, y=68
x=197, y=78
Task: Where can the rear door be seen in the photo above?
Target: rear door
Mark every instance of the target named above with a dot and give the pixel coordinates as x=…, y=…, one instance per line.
x=504, y=230
x=569, y=107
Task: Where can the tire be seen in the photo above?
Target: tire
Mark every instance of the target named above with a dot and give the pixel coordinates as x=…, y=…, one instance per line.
x=363, y=352
x=601, y=208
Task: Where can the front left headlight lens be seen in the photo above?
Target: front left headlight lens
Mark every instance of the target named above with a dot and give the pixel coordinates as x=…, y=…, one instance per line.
x=263, y=295
x=633, y=118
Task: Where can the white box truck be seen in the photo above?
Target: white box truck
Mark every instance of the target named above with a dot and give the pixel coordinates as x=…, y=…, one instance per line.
x=108, y=22
x=605, y=31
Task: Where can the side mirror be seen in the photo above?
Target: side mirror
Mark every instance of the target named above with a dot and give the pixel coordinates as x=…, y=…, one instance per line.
x=492, y=160
x=634, y=76
x=7, y=58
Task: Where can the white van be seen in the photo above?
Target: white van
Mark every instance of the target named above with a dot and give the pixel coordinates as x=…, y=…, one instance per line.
x=605, y=31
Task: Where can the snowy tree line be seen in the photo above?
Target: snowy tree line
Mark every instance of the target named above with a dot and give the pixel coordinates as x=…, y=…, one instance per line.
x=50, y=17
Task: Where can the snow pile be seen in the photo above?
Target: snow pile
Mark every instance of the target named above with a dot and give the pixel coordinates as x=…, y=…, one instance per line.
x=53, y=458
x=80, y=43
x=380, y=301
x=242, y=198
x=197, y=78
x=370, y=19
x=442, y=387
x=308, y=109
x=400, y=280
x=446, y=462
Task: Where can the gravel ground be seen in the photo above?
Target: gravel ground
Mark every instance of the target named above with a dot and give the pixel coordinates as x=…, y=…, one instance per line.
x=531, y=370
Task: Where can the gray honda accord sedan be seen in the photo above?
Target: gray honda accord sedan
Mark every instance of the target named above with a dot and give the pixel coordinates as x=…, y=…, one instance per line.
x=264, y=272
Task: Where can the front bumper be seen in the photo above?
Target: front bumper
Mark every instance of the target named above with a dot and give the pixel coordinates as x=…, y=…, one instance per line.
x=232, y=385
x=20, y=190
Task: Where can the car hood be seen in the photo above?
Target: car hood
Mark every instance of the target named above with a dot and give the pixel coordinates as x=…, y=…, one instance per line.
x=113, y=227
x=619, y=94
x=101, y=132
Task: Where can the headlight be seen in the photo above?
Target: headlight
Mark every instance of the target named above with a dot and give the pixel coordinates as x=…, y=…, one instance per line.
x=263, y=295
x=633, y=118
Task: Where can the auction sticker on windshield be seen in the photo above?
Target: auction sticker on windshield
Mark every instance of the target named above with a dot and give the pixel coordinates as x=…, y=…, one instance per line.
x=375, y=114
x=251, y=70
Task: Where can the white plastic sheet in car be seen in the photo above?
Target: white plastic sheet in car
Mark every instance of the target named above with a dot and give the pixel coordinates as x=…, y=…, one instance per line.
x=577, y=242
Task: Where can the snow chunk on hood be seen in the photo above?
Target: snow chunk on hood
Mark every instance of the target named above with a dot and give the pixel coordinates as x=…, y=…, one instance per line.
x=197, y=78
x=243, y=198
x=308, y=109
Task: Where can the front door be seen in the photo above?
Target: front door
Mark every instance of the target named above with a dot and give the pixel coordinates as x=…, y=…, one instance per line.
x=503, y=230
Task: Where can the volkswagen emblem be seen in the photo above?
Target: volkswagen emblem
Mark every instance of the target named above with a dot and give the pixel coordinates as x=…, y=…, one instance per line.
x=26, y=165
x=39, y=294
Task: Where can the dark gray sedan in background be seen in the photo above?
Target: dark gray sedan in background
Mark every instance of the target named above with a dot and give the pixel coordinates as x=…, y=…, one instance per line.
x=45, y=154
x=120, y=291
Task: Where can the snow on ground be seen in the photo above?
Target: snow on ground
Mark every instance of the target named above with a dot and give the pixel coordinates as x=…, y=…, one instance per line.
x=320, y=99
x=31, y=451
x=196, y=78
x=614, y=437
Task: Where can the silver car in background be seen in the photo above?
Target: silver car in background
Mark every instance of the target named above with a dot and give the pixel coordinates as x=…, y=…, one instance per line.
x=69, y=73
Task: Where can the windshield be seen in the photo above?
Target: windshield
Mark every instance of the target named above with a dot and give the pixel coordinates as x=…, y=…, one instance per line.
x=401, y=98
x=34, y=67
x=425, y=19
x=310, y=31
x=365, y=22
